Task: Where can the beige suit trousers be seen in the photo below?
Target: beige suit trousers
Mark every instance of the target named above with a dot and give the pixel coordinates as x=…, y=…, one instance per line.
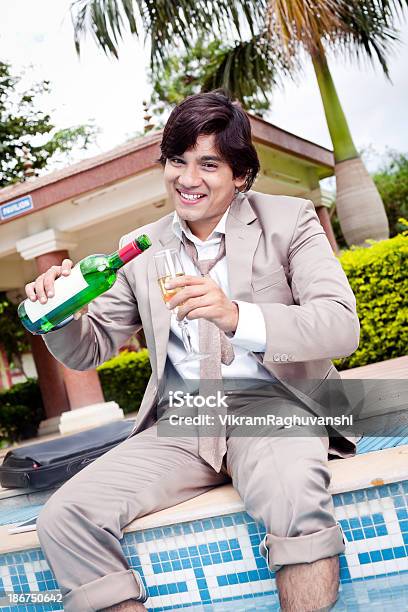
x=282, y=480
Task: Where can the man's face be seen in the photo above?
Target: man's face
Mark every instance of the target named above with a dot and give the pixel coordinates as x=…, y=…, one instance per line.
x=200, y=172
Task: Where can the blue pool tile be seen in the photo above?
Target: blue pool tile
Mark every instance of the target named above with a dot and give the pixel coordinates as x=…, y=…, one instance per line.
x=216, y=558
x=186, y=563
x=359, y=496
x=232, y=579
x=167, y=567
x=227, y=521
x=366, y=521
x=355, y=523
x=197, y=527
x=226, y=557
x=347, y=498
x=193, y=551
x=183, y=552
x=217, y=522
x=173, y=554
x=205, y=596
x=387, y=554
x=364, y=558
x=242, y=577
x=402, y=514
x=213, y=547
x=378, y=518
x=176, y=566
x=203, y=549
x=399, y=501
x=399, y=552
x=206, y=560
x=381, y=530
x=199, y=573
x=222, y=580
x=182, y=587
x=345, y=574
x=375, y=556
x=223, y=545
x=369, y=532
x=264, y=574
x=234, y=543
x=236, y=555
x=358, y=534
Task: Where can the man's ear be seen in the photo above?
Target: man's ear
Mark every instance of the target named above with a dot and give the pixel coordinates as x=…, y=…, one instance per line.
x=240, y=182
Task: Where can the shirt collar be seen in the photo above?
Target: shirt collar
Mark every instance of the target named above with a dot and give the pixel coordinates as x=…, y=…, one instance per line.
x=179, y=226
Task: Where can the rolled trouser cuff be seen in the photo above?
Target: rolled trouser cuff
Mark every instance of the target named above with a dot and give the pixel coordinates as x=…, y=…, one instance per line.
x=105, y=591
x=280, y=551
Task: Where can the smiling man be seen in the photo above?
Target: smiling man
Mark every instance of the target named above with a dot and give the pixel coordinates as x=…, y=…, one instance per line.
x=269, y=303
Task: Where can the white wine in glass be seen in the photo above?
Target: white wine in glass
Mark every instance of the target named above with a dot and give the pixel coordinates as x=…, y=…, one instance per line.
x=169, y=266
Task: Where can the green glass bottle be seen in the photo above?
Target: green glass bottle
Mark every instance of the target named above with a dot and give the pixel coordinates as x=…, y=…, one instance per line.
x=89, y=278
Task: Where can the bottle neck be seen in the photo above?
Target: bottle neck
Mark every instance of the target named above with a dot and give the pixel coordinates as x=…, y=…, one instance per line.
x=115, y=261
x=128, y=252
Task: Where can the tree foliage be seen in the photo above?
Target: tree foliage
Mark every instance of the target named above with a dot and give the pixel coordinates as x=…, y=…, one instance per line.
x=392, y=183
x=24, y=125
x=12, y=334
x=203, y=69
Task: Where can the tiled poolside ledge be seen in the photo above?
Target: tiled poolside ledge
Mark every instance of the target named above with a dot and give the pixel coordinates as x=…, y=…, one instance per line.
x=206, y=549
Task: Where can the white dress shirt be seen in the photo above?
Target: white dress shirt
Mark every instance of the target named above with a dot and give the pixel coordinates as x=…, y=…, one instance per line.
x=250, y=334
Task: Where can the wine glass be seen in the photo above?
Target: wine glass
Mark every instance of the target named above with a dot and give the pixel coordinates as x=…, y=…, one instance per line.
x=168, y=266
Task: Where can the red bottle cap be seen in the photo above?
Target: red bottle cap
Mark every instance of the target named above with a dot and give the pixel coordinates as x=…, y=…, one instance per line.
x=129, y=251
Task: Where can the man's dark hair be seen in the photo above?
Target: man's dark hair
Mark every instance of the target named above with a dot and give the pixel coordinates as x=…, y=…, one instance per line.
x=215, y=113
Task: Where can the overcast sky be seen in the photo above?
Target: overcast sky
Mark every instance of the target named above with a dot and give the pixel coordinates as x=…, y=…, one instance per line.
x=38, y=37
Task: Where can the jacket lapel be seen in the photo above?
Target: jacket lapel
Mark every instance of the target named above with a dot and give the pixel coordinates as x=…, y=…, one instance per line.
x=242, y=236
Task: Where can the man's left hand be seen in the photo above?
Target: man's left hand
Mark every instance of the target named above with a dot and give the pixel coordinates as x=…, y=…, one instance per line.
x=201, y=297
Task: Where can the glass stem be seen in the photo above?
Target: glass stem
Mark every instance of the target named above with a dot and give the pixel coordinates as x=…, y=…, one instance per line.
x=185, y=334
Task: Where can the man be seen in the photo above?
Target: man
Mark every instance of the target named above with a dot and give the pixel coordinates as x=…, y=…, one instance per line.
x=275, y=309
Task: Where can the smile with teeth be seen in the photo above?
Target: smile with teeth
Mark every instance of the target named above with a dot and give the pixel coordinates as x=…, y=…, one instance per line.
x=191, y=197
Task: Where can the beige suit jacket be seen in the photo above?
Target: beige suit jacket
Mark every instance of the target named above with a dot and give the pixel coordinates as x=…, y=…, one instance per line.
x=278, y=256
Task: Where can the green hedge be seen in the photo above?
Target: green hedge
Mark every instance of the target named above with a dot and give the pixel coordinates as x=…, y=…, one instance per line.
x=124, y=379
x=378, y=275
x=21, y=411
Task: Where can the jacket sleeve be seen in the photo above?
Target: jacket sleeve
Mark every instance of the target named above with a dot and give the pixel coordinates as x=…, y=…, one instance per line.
x=111, y=319
x=323, y=322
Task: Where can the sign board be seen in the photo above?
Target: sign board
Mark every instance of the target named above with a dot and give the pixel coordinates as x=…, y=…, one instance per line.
x=16, y=207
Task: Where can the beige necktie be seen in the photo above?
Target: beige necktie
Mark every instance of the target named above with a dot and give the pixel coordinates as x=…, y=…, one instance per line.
x=214, y=342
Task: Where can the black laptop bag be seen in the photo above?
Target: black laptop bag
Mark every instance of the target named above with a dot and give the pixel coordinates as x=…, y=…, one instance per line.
x=46, y=464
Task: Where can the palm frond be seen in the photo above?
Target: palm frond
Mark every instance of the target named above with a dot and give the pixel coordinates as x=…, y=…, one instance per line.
x=165, y=23
x=359, y=27
x=248, y=70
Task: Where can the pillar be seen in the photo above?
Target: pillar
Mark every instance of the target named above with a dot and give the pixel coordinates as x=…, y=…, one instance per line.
x=82, y=388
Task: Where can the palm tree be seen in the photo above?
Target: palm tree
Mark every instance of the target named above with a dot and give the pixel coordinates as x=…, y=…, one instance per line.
x=278, y=28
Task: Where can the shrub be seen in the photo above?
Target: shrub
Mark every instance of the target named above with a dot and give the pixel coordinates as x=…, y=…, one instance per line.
x=124, y=379
x=378, y=276
x=21, y=411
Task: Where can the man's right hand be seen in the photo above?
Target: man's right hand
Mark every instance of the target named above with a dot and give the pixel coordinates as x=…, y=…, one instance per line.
x=43, y=287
